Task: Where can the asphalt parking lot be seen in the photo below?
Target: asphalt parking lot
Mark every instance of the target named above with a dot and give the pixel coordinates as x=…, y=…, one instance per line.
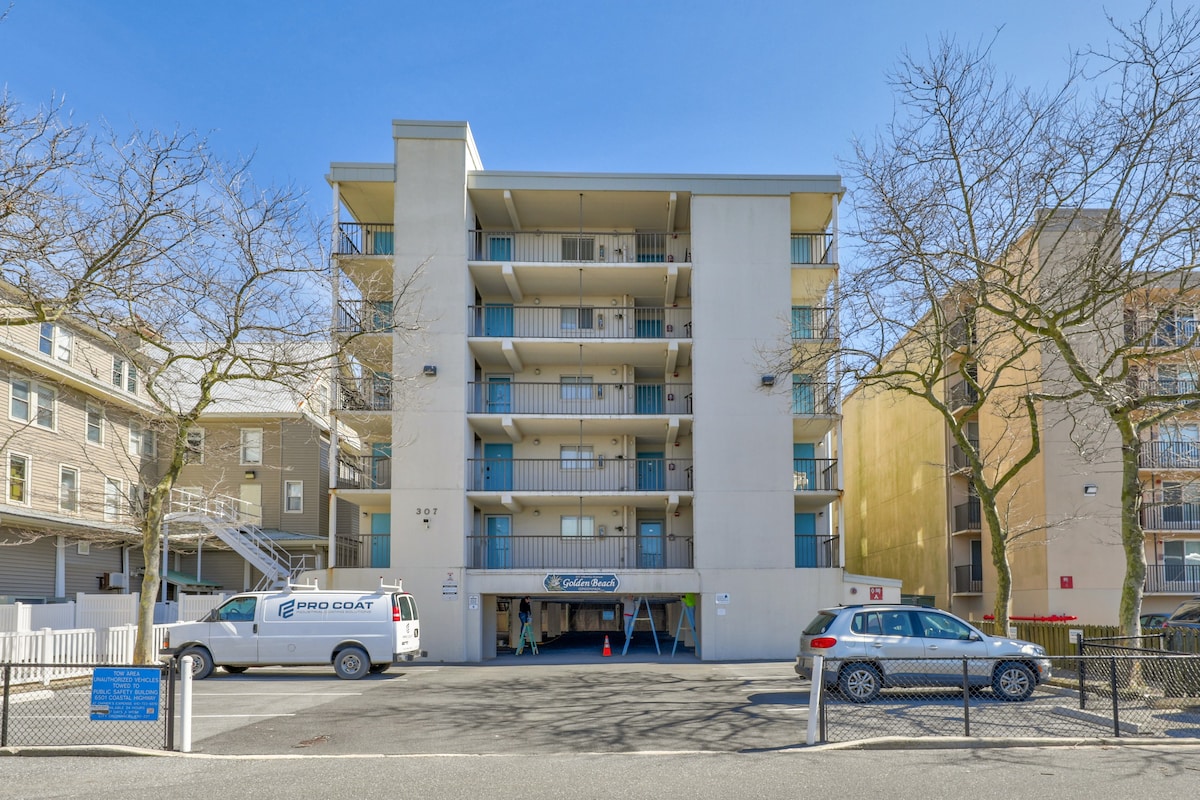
x=504, y=707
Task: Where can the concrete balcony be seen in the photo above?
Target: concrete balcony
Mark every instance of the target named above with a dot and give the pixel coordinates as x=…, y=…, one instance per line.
x=815, y=474
x=812, y=248
x=583, y=321
x=1171, y=517
x=580, y=398
x=579, y=476
x=364, y=472
x=609, y=552
x=968, y=579
x=968, y=518
x=1157, y=454
x=817, y=552
x=364, y=239
x=1172, y=579
x=579, y=247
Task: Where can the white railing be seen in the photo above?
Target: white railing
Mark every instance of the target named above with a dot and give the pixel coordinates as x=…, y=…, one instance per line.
x=47, y=655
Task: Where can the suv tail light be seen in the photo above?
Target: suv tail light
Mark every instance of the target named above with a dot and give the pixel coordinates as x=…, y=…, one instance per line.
x=822, y=642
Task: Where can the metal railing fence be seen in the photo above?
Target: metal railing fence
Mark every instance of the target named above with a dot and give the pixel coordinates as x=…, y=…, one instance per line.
x=580, y=472
x=610, y=551
x=1135, y=694
x=574, y=397
x=579, y=322
x=65, y=712
x=607, y=247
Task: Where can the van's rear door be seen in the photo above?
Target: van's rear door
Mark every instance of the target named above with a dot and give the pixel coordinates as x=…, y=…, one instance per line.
x=406, y=625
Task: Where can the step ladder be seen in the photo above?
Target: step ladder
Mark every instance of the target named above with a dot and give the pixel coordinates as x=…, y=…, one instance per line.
x=526, y=638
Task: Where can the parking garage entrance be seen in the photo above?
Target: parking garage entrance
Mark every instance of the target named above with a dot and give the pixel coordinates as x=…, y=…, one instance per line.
x=575, y=626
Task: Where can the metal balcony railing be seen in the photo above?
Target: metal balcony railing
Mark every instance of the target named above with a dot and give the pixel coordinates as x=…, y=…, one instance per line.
x=812, y=248
x=967, y=516
x=579, y=398
x=572, y=475
x=580, y=322
x=364, y=472
x=813, y=399
x=580, y=552
x=605, y=247
x=817, y=552
x=371, y=393
x=968, y=578
x=962, y=394
x=958, y=458
x=1171, y=517
x=1158, y=454
x=1173, y=579
x=365, y=316
x=815, y=474
x=961, y=333
x=1165, y=386
x=1167, y=332
x=813, y=323
x=364, y=239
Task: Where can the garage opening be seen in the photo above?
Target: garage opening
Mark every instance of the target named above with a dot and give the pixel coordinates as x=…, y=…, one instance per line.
x=576, y=626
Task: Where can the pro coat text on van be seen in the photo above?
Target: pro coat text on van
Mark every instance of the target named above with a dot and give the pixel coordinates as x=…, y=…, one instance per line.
x=357, y=632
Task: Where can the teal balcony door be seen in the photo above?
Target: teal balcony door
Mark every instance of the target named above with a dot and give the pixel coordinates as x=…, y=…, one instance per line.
x=383, y=243
x=500, y=248
x=499, y=394
x=498, y=319
x=802, y=322
x=381, y=540
x=650, y=545
x=650, y=472
x=499, y=542
x=804, y=399
x=648, y=398
x=497, y=467
x=648, y=323
x=806, y=540
x=804, y=466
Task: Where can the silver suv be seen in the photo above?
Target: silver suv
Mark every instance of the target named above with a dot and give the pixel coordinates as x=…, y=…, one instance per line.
x=859, y=644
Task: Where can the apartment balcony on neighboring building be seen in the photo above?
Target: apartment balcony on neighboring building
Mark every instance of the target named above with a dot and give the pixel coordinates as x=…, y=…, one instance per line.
x=596, y=552
x=1171, y=517
x=583, y=321
x=1174, y=455
x=1167, y=331
x=958, y=458
x=365, y=316
x=365, y=239
x=968, y=579
x=599, y=247
x=812, y=249
x=1172, y=579
x=815, y=474
x=960, y=335
x=364, y=472
x=968, y=517
x=962, y=395
x=589, y=475
x=813, y=324
x=579, y=397
x=817, y=551
x=372, y=392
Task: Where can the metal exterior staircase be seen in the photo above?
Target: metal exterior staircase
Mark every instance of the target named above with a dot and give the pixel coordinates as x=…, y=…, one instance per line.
x=223, y=516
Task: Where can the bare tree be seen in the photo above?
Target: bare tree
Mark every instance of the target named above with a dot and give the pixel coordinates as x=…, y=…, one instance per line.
x=1069, y=213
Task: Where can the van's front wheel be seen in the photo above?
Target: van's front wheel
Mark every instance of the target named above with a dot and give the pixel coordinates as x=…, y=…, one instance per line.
x=351, y=663
x=202, y=663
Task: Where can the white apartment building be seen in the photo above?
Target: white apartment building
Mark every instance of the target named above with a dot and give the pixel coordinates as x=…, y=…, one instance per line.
x=583, y=416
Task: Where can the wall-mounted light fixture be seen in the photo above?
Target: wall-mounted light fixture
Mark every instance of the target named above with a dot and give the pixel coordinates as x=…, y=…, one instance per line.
x=537, y=441
x=250, y=474
x=430, y=370
x=1089, y=490
x=537, y=512
x=768, y=380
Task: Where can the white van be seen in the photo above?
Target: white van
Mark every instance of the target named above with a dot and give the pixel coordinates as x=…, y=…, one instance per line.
x=357, y=632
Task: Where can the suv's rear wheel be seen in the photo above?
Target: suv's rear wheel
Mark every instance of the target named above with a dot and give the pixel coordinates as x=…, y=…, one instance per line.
x=860, y=683
x=1013, y=681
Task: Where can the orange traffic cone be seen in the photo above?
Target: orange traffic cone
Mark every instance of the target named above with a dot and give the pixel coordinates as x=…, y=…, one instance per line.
x=607, y=649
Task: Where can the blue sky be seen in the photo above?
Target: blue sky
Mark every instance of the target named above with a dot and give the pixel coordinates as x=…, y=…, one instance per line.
x=684, y=86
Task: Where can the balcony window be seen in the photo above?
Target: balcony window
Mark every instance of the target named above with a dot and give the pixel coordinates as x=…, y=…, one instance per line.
x=577, y=527
x=1180, y=558
x=577, y=387
x=573, y=319
x=579, y=248
x=577, y=457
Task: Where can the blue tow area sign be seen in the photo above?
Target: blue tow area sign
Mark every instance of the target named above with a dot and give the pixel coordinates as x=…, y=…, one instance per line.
x=126, y=693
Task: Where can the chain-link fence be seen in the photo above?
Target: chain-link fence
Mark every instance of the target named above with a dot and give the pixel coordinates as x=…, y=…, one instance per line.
x=1116, y=694
x=100, y=704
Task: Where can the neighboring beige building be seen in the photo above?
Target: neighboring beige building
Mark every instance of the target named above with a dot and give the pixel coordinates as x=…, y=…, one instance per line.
x=79, y=446
x=911, y=513
x=583, y=415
